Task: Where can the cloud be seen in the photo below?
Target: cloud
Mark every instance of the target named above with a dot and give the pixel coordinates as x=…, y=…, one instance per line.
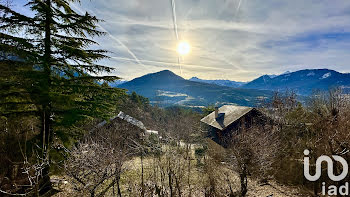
x=231, y=39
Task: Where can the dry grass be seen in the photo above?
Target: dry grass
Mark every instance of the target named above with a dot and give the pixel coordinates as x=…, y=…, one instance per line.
x=131, y=180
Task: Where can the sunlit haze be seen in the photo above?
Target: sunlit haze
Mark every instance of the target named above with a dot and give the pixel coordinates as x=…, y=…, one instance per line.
x=183, y=48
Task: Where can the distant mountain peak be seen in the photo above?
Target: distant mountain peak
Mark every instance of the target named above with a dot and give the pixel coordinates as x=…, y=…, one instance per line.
x=151, y=79
x=164, y=71
x=162, y=75
x=220, y=82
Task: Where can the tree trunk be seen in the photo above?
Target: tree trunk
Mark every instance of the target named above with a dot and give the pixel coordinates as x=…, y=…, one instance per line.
x=46, y=130
x=189, y=170
x=178, y=187
x=244, y=181
x=315, y=188
x=118, y=187
x=45, y=183
x=170, y=180
x=142, y=178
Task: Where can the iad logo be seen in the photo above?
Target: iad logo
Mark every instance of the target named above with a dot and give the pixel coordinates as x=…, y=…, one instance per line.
x=329, y=167
x=332, y=189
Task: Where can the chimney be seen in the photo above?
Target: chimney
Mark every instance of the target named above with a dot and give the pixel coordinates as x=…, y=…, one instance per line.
x=216, y=112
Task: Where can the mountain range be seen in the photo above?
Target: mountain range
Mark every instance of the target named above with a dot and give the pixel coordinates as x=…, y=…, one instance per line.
x=166, y=88
x=303, y=82
x=220, y=82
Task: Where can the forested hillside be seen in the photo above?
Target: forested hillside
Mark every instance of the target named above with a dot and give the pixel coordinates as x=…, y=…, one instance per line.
x=165, y=88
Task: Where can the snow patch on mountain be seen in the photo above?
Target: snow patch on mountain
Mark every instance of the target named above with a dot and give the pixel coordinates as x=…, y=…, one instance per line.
x=326, y=75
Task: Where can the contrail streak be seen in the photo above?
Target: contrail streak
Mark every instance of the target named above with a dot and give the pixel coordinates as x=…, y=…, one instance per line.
x=123, y=45
x=216, y=35
x=239, y=5
x=174, y=18
x=175, y=29
x=114, y=38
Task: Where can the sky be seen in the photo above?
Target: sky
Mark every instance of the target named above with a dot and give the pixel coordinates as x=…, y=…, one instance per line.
x=230, y=39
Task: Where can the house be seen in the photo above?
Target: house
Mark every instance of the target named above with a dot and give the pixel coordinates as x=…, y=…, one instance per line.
x=127, y=123
x=229, y=120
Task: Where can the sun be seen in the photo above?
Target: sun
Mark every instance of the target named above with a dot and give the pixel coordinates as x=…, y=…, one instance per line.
x=183, y=48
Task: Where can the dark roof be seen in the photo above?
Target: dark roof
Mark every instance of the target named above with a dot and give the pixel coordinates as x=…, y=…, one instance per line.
x=226, y=116
x=125, y=117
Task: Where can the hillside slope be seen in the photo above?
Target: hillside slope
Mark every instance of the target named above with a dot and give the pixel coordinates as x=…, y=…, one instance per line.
x=167, y=88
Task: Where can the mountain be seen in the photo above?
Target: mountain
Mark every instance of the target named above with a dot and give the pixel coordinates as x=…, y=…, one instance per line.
x=302, y=81
x=233, y=84
x=116, y=83
x=167, y=88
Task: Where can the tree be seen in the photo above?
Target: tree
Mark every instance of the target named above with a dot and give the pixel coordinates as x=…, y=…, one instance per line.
x=250, y=155
x=18, y=79
x=92, y=163
x=328, y=130
x=48, y=64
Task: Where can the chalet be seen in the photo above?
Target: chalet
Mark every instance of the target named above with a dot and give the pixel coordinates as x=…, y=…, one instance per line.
x=229, y=120
x=128, y=123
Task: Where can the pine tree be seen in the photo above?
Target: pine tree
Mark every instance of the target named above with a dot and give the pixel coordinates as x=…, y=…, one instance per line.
x=52, y=70
x=16, y=60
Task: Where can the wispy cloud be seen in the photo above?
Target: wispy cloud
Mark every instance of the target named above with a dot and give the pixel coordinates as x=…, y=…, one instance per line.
x=235, y=39
x=232, y=39
x=113, y=37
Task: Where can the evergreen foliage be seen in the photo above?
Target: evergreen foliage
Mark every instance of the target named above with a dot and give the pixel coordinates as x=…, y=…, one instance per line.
x=55, y=64
x=49, y=71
